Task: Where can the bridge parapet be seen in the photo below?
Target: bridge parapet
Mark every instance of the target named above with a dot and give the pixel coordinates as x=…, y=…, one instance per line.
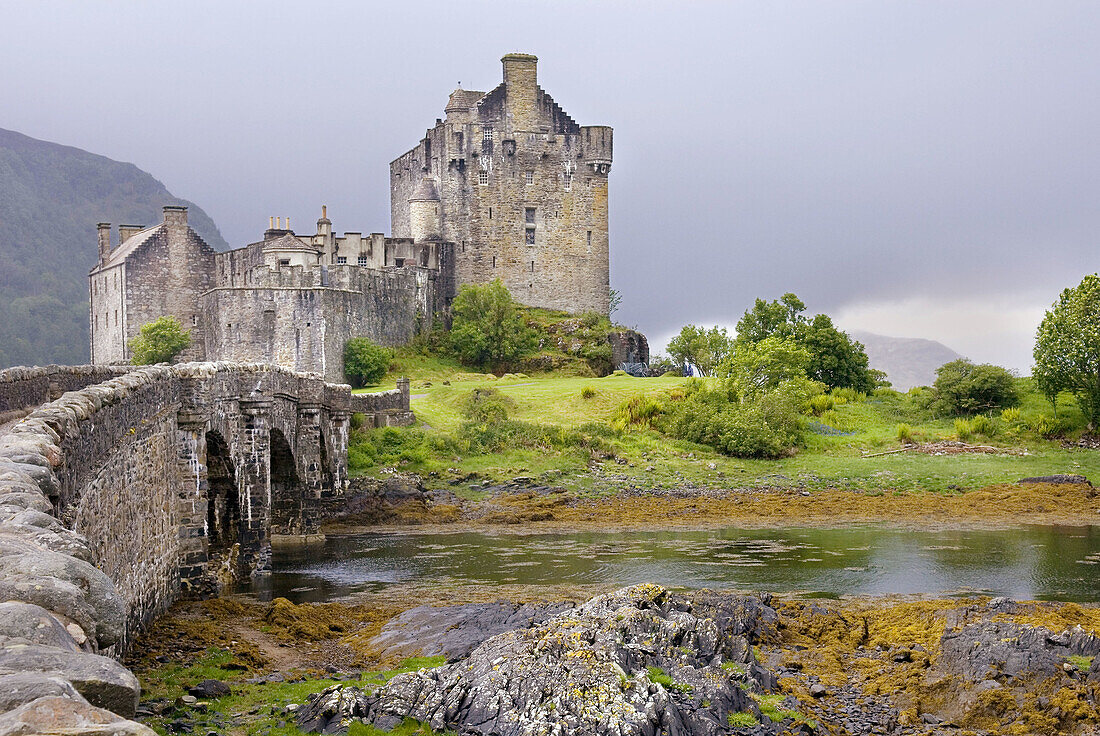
x=119, y=495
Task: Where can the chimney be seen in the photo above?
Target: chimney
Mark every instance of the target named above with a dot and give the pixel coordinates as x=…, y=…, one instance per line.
x=521, y=91
x=175, y=216
x=324, y=225
x=104, y=240
x=126, y=231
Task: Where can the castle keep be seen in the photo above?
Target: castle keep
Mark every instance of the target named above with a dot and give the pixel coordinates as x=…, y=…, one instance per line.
x=518, y=187
x=508, y=186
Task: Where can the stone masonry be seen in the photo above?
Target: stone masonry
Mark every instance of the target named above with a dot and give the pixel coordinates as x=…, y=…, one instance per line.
x=518, y=187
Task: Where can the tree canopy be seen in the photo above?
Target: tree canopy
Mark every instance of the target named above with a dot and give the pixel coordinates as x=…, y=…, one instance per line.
x=963, y=387
x=836, y=360
x=1067, y=347
x=701, y=347
x=364, y=362
x=487, y=329
x=159, y=341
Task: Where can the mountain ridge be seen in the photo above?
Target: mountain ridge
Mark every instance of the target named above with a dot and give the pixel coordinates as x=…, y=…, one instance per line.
x=51, y=197
x=907, y=361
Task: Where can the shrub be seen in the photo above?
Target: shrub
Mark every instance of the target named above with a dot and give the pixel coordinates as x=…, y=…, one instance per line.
x=962, y=387
x=588, y=392
x=159, y=341
x=849, y=395
x=963, y=429
x=486, y=406
x=638, y=411
x=1047, y=426
x=364, y=362
x=983, y=425
x=487, y=329
x=905, y=433
x=1010, y=415
x=820, y=404
x=768, y=425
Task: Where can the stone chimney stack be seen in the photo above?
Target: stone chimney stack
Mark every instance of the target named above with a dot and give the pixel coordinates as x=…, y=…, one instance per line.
x=324, y=225
x=175, y=217
x=126, y=231
x=104, y=240
x=521, y=91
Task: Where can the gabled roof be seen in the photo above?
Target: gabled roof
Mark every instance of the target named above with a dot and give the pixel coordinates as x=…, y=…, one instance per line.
x=290, y=242
x=463, y=99
x=131, y=244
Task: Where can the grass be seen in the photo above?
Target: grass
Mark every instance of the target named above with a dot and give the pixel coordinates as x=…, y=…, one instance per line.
x=772, y=707
x=259, y=707
x=637, y=455
x=1080, y=662
x=741, y=720
x=662, y=678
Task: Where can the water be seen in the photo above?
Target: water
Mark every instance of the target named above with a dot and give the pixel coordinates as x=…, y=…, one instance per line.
x=1035, y=562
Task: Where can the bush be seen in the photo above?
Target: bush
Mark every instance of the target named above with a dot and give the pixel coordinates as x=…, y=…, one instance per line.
x=486, y=406
x=1010, y=415
x=638, y=411
x=820, y=404
x=962, y=387
x=588, y=392
x=848, y=395
x=487, y=329
x=364, y=362
x=159, y=341
x=964, y=430
x=983, y=425
x=905, y=434
x=1047, y=426
x=767, y=425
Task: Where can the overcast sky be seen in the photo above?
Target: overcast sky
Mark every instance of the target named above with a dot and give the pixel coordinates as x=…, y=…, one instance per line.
x=924, y=169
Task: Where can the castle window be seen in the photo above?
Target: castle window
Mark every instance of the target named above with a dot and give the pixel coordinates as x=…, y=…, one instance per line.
x=494, y=261
x=530, y=238
x=532, y=266
x=194, y=320
x=490, y=213
x=568, y=182
x=284, y=261
x=529, y=176
x=589, y=241
x=340, y=260
x=483, y=178
x=529, y=215
x=362, y=260
x=487, y=134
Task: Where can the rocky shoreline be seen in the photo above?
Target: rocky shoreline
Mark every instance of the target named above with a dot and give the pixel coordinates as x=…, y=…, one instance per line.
x=644, y=660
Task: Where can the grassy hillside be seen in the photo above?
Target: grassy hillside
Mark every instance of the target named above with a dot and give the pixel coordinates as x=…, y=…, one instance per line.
x=51, y=197
x=561, y=430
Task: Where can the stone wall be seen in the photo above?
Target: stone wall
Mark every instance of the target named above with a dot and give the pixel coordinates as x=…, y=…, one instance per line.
x=24, y=387
x=104, y=502
x=385, y=408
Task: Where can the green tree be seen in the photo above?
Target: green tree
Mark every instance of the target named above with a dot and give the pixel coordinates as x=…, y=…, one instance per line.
x=364, y=362
x=701, y=347
x=614, y=299
x=487, y=329
x=1067, y=347
x=836, y=360
x=758, y=367
x=159, y=341
x=962, y=387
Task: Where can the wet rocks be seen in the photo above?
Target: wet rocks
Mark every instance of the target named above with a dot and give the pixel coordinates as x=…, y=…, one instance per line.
x=1004, y=651
x=637, y=661
x=454, y=631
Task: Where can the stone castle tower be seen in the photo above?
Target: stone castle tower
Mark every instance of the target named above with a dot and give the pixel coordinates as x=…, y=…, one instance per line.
x=518, y=187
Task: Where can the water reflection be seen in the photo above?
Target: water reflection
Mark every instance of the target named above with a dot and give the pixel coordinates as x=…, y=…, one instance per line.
x=1031, y=562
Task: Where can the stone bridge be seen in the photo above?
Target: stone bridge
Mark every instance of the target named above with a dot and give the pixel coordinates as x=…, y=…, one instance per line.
x=122, y=487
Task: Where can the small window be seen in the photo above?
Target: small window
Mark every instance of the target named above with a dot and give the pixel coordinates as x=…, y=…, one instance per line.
x=529, y=215
x=529, y=176
x=340, y=260
x=494, y=261
x=284, y=261
x=399, y=262
x=490, y=213
x=530, y=236
x=568, y=182
x=532, y=266
x=194, y=320
x=589, y=241
x=362, y=260
x=483, y=178
x=487, y=133
x=116, y=318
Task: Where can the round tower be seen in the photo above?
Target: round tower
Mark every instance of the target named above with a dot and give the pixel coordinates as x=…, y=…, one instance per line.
x=424, y=212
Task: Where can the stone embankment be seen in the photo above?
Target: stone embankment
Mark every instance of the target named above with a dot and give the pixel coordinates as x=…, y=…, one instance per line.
x=63, y=619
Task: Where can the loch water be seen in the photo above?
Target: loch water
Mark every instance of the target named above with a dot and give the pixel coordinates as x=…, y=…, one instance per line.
x=1033, y=562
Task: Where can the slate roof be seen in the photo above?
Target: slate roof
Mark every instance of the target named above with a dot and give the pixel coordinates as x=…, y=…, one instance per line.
x=290, y=242
x=131, y=244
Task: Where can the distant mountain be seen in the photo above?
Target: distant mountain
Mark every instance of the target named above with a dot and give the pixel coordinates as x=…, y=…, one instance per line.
x=51, y=198
x=908, y=361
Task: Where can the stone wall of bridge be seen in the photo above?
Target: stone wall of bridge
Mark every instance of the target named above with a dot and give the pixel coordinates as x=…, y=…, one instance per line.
x=117, y=497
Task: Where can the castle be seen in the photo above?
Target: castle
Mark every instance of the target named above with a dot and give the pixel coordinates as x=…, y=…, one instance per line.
x=506, y=186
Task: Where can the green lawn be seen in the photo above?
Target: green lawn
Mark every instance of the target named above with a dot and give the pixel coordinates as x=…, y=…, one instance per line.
x=648, y=458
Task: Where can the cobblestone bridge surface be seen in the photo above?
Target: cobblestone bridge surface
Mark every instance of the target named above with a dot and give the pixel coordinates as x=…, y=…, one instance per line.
x=122, y=488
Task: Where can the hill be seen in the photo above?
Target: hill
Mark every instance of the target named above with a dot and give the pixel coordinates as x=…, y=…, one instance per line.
x=51, y=197
x=908, y=361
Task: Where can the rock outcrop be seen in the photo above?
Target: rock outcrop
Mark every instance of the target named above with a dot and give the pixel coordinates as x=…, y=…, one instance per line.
x=637, y=661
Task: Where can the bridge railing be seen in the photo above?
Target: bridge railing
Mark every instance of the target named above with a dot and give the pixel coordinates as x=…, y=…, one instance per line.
x=60, y=606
